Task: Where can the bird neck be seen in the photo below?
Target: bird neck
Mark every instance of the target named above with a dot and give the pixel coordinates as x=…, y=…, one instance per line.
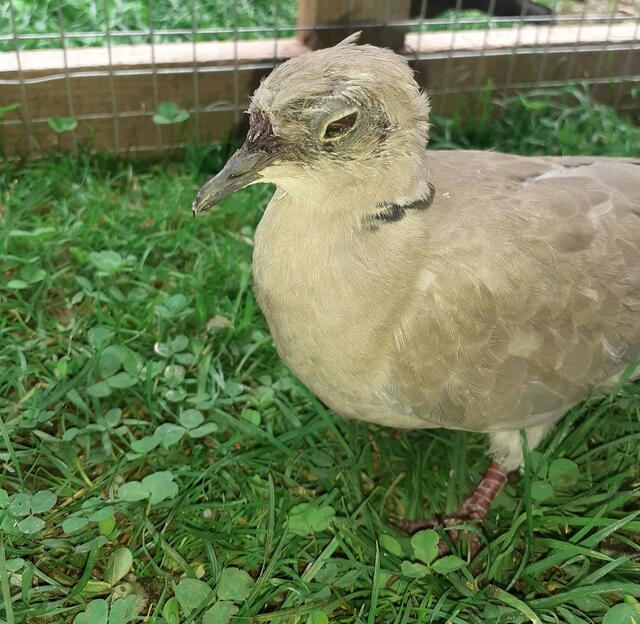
x=350, y=195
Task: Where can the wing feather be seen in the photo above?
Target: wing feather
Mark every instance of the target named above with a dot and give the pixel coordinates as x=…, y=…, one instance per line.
x=533, y=298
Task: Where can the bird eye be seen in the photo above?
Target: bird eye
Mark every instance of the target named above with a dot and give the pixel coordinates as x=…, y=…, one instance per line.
x=339, y=127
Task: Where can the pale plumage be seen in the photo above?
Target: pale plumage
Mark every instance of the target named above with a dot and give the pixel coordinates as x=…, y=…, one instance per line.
x=414, y=288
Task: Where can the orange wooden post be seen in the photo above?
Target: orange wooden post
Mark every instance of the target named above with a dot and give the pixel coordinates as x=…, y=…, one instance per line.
x=327, y=22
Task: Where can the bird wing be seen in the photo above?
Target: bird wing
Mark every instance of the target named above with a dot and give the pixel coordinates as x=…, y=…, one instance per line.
x=529, y=292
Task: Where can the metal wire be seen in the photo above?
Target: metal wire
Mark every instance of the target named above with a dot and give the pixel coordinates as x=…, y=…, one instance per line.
x=24, y=101
x=543, y=61
x=112, y=88
x=481, y=65
x=236, y=68
x=276, y=32
x=424, y=5
x=162, y=33
x=267, y=65
x=450, y=54
x=574, y=55
x=67, y=83
x=385, y=22
x=516, y=45
x=196, y=77
x=230, y=107
x=603, y=54
x=154, y=69
x=627, y=64
x=527, y=36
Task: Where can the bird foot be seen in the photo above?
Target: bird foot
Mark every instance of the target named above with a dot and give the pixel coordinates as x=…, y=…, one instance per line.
x=475, y=507
x=413, y=526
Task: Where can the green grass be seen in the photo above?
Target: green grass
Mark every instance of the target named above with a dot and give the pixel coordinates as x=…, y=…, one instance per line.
x=42, y=17
x=126, y=326
x=552, y=122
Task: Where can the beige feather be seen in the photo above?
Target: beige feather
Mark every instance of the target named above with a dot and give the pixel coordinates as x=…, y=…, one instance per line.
x=496, y=308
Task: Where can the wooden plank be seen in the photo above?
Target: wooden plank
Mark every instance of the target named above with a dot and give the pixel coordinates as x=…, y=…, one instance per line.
x=448, y=74
x=464, y=81
x=336, y=18
x=134, y=102
x=207, y=53
x=94, y=87
x=221, y=53
x=547, y=56
x=530, y=36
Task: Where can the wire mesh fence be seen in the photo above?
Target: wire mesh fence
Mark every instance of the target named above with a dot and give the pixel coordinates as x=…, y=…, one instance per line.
x=142, y=76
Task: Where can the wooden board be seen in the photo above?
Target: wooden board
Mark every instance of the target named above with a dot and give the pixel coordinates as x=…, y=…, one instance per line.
x=114, y=103
x=336, y=18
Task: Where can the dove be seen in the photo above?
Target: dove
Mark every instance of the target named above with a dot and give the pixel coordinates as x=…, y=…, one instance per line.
x=417, y=288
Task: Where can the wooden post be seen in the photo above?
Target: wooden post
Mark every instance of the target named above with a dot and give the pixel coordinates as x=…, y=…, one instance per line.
x=327, y=22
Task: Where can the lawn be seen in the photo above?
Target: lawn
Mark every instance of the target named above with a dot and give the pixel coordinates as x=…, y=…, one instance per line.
x=159, y=464
x=128, y=18
x=43, y=17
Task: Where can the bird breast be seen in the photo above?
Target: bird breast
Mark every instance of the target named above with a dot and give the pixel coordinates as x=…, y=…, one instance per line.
x=314, y=288
x=484, y=315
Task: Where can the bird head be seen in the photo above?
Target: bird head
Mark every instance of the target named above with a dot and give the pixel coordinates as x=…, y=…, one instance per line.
x=339, y=116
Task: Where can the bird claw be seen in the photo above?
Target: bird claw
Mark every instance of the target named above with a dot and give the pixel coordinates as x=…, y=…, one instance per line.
x=413, y=526
x=475, y=508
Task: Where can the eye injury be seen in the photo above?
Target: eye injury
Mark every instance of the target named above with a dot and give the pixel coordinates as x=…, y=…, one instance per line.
x=338, y=127
x=261, y=137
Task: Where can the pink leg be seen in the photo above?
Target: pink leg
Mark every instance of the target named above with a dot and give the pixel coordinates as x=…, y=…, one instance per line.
x=475, y=507
x=478, y=504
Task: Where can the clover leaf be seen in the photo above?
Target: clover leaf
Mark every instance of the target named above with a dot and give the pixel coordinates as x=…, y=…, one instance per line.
x=307, y=518
x=425, y=545
x=157, y=487
x=235, y=584
x=62, y=124
x=168, y=113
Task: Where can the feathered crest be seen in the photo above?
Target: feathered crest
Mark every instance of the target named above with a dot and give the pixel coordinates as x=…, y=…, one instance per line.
x=352, y=38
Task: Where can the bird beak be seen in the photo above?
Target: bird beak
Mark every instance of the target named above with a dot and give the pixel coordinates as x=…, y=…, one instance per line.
x=242, y=169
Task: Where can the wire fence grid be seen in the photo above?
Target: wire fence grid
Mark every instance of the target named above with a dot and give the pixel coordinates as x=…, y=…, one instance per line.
x=109, y=66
